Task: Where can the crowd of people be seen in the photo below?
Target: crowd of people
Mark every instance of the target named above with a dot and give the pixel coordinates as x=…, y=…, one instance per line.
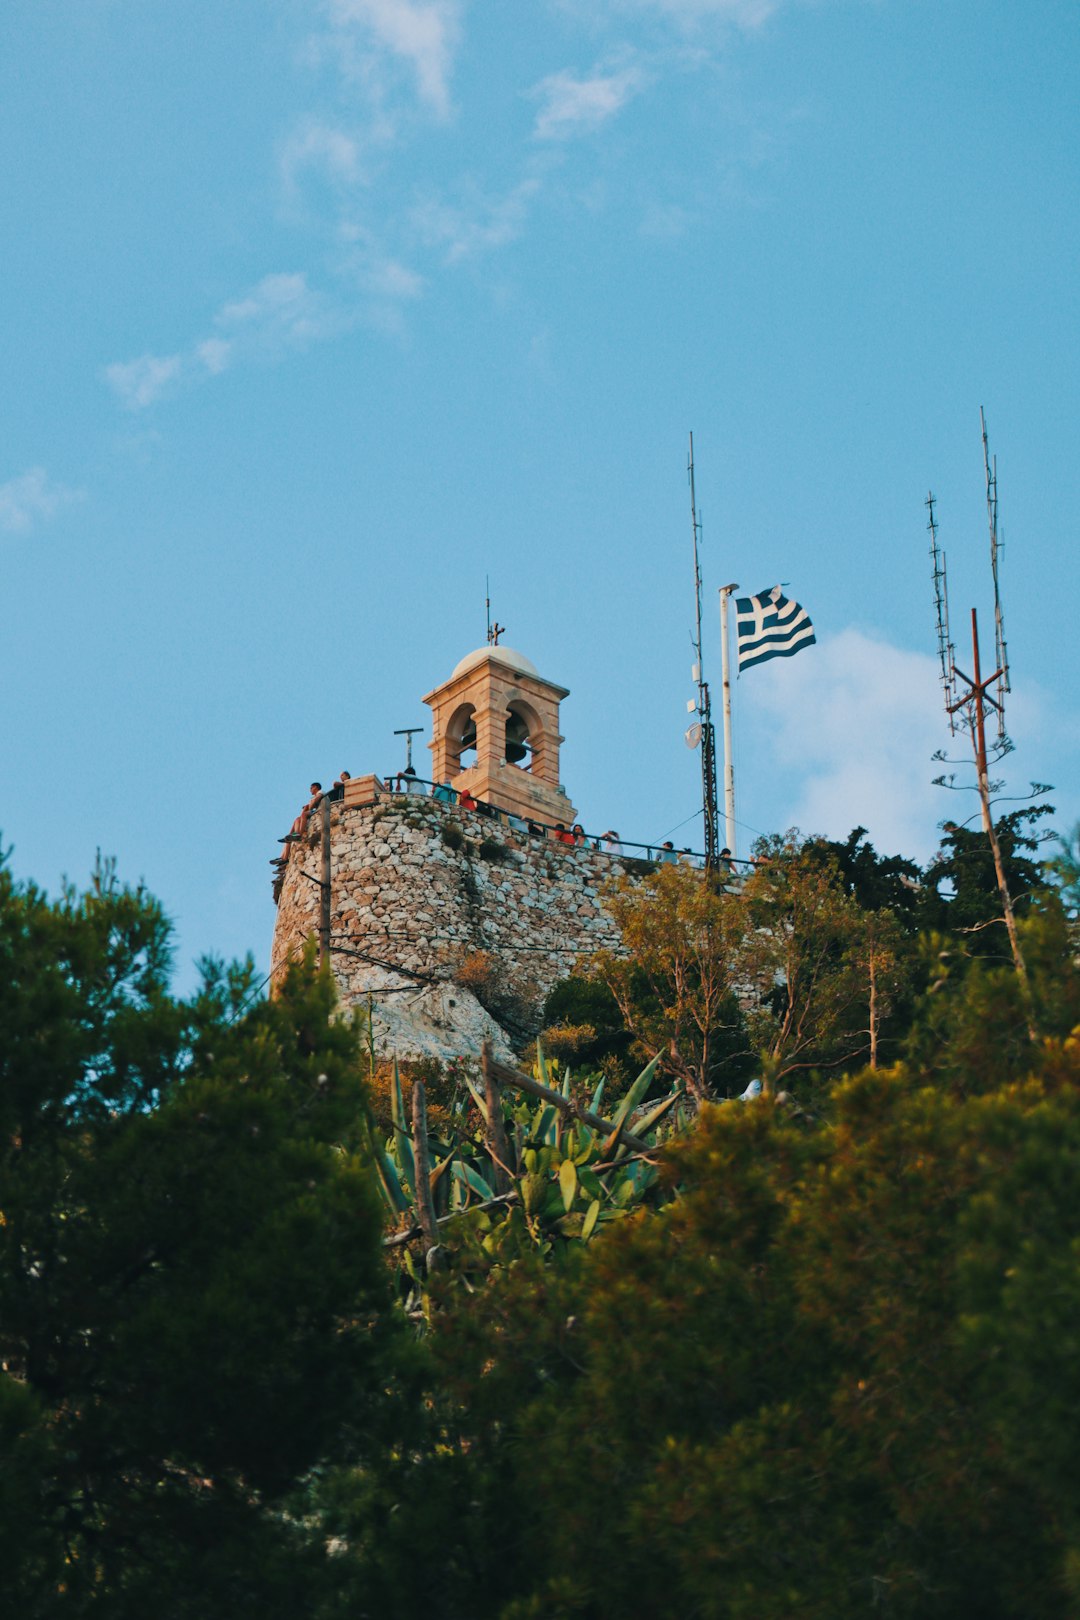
x=407, y=781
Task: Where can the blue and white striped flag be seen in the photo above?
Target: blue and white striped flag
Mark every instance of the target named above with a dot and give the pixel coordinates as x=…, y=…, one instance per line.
x=769, y=626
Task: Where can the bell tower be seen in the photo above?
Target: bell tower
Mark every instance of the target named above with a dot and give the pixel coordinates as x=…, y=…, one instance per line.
x=495, y=731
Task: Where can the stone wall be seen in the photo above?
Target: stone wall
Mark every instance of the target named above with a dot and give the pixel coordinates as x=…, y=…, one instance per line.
x=421, y=888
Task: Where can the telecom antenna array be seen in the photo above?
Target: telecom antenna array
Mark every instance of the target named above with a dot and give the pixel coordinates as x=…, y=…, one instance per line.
x=969, y=696
x=704, y=704
x=1001, y=652
x=946, y=650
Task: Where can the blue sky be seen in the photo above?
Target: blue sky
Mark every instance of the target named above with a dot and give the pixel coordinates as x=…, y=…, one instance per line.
x=319, y=311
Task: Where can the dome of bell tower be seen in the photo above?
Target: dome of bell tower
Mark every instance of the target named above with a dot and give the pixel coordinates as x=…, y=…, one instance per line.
x=502, y=655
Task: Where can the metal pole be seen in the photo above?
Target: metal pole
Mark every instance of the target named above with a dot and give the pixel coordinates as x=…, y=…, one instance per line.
x=729, y=761
x=324, y=917
x=978, y=701
x=704, y=706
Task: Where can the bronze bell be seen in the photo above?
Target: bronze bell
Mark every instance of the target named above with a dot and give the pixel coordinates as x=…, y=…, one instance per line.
x=517, y=739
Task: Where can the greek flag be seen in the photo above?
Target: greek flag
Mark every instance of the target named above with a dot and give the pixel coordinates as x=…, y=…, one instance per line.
x=769, y=626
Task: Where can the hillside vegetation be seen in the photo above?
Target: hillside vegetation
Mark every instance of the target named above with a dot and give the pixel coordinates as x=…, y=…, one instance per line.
x=810, y=1346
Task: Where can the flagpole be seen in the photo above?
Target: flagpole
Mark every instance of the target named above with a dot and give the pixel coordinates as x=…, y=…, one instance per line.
x=729, y=762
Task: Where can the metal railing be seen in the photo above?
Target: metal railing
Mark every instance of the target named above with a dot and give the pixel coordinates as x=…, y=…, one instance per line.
x=654, y=854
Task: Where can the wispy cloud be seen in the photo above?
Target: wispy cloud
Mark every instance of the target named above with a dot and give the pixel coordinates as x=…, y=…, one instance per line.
x=282, y=312
x=575, y=106
x=30, y=499
x=138, y=383
x=477, y=224
x=859, y=725
x=742, y=13
x=420, y=34
x=319, y=148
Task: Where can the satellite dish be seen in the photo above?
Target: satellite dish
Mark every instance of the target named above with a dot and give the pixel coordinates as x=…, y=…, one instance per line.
x=692, y=735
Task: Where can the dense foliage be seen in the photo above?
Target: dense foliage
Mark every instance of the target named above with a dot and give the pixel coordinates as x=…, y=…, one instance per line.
x=815, y=1353
x=191, y=1291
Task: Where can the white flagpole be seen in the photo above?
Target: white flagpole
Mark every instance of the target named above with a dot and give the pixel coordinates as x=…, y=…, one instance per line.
x=729, y=763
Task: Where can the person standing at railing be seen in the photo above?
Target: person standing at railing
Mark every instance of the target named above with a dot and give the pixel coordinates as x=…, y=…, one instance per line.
x=577, y=833
x=666, y=853
x=466, y=800
x=610, y=844
x=444, y=793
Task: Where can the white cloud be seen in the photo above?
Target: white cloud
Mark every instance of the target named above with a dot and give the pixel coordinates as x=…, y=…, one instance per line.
x=140, y=382
x=30, y=499
x=423, y=34
x=573, y=106
x=322, y=148
x=215, y=354
x=742, y=13
x=388, y=278
x=478, y=225
x=281, y=312
x=858, y=725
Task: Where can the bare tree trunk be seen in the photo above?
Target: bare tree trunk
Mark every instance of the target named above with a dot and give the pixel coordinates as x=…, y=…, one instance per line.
x=497, y=1144
x=1007, y=905
x=425, y=1204
x=873, y=1010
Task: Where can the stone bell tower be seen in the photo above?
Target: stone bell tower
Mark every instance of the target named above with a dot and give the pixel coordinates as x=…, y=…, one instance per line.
x=495, y=731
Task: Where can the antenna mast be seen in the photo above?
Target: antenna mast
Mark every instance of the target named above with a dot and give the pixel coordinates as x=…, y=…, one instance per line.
x=704, y=706
x=971, y=700
x=946, y=650
x=1001, y=652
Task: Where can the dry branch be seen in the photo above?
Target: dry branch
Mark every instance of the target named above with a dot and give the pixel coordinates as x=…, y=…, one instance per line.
x=507, y=1076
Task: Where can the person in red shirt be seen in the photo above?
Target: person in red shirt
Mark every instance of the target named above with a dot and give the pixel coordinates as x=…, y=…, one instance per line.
x=466, y=800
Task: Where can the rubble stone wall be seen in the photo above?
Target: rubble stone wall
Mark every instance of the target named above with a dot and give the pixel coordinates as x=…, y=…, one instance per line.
x=418, y=888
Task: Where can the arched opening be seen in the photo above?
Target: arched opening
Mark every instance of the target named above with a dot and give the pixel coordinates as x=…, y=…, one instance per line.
x=461, y=739
x=522, y=735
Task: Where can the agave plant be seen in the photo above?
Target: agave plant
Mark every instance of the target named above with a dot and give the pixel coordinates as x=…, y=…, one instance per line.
x=566, y=1179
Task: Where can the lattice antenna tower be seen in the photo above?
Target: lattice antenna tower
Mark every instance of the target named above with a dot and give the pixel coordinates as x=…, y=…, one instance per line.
x=1001, y=651
x=946, y=650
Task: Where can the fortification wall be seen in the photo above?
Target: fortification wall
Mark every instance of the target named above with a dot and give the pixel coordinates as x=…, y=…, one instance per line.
x=418, y=889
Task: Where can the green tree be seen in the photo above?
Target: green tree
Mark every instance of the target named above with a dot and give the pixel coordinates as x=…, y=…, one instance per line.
x=1063, y=870
x=836, y=1376
x=961, y=893
x=824, y=971
x=878, y=882
x=192, y=1297
x=677, y=984
x=787, y=972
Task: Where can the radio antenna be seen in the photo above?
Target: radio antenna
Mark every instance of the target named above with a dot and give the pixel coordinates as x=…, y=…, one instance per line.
x=969, y=696
x=1001, y=652
x=704, y=705
x=946, y=650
